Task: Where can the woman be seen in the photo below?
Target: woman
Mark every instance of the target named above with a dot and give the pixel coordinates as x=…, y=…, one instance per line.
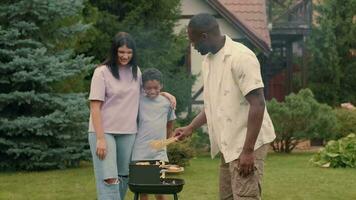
x=114, y=99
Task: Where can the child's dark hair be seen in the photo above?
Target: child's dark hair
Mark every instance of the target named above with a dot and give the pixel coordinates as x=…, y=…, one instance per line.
x=151, y=74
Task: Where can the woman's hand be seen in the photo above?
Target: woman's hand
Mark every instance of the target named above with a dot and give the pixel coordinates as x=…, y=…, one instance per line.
x=171, y=99
x=101, y=149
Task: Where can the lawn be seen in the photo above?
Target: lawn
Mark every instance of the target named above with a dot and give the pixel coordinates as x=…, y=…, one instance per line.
x=287, y=177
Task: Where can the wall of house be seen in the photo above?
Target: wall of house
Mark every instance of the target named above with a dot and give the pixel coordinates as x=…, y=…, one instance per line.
x=190, y=8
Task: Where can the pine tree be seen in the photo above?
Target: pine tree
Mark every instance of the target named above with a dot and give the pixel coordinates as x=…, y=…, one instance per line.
x=40, y=128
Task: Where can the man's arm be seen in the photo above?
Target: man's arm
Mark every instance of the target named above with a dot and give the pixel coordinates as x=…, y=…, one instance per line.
x=187, y=131
x=254, y=122
x=255, y=117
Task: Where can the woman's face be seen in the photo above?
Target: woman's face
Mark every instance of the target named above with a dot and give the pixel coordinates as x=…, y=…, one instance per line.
x=124, y=55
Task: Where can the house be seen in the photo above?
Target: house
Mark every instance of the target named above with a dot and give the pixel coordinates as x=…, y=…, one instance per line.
x=251, y=22
x=287, y=63
x=244, y=21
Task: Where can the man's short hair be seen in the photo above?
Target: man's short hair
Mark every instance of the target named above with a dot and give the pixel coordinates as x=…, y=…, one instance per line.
x=151, y=74
x=204, y=22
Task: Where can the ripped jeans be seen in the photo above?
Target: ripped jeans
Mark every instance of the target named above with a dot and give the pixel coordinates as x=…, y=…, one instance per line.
x=114, y=166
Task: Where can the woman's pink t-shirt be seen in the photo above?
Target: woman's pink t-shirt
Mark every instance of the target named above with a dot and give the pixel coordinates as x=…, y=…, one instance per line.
x=120, y=99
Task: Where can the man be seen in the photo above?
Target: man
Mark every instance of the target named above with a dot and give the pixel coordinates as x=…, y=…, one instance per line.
x=234, y=109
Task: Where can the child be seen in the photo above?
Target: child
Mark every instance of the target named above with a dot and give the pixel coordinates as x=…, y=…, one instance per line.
x=155, y=121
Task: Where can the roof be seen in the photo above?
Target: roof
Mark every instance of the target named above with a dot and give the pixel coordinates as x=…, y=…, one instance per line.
x=295, y=5
x=249, y=16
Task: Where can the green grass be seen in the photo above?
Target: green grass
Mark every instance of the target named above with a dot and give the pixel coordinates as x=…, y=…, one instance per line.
x=287, y=177
x=290, y=177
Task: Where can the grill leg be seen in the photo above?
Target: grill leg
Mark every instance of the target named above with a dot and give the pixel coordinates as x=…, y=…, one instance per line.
x=175, y=196
x=136, y=196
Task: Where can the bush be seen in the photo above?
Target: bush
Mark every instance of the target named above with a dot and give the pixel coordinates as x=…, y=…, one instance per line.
x=300, y=117
x=180, y=153
x=340, y=153
x=200, y=141
x=346, y=122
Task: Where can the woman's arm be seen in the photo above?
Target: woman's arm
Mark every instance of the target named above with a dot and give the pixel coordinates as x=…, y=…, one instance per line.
x=95, y=110
x=171, y=99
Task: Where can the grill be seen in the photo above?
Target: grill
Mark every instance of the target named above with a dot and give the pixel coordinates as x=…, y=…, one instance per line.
x=149, y=178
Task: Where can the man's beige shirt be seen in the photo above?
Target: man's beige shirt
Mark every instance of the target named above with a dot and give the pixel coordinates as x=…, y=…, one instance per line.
x=229, y=75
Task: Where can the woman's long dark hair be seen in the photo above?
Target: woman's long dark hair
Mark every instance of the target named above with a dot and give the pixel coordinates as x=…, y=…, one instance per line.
x=121, y=39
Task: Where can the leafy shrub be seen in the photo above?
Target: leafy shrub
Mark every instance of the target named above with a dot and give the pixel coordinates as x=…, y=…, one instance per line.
x=180, y=153
x=300, y=116
x=340, y=153
x=346, y=122
x=200, y=141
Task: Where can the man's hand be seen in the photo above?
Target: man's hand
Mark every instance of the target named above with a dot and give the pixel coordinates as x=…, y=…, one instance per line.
x=182, y=132
x=246, y=165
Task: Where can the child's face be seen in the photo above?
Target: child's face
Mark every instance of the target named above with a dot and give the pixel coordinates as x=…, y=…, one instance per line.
x=152, y=88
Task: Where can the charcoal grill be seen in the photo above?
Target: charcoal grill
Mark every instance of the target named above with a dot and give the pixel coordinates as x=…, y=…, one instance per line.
x=147, y=179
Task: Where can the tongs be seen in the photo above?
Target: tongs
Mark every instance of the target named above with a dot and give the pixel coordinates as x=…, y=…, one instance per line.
x=160, y=144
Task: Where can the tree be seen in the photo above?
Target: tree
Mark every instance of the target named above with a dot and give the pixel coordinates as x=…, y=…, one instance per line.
x=332, y=43
x=151, y=24
x=300, y=117
x=41, y=128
